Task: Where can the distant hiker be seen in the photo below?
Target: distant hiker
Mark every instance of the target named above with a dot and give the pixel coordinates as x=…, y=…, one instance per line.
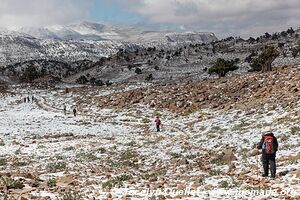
x=32, y=98
x=157, y=123
x=74, y=112
x=28, y=99
x=65, y=109
x=24, y=99
x=269, y=146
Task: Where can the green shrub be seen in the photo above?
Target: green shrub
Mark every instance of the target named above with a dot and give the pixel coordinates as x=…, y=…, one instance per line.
x=87, y=156
x=116, y=181
x=222, y=67
x=224, y=184
x=69, y=196
x=215, y=172
x=51, y=183
x=3, y=161
x=10, y=183
x=57, y=166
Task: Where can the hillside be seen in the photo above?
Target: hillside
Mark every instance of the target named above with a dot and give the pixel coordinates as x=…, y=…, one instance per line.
x=85, y=40
x=254, y=91
x=110, y=150
x=183, y=57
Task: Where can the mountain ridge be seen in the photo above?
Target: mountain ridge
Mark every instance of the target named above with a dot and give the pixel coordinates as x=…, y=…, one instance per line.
x=83, y=41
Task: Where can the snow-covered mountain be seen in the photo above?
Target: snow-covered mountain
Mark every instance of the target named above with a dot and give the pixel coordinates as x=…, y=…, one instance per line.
x=83, y=41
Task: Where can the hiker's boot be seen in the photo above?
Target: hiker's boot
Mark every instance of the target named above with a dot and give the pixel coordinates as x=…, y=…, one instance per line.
x=273, y=176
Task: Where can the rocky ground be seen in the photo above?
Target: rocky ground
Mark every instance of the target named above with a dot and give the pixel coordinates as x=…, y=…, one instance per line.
x=110, y=150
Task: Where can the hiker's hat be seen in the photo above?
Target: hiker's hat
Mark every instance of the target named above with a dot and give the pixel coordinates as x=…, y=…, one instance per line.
x=267, y=129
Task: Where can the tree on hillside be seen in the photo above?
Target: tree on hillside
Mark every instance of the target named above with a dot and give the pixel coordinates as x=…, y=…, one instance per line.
x=267, y=35
x=138, y=70
x=222, y=67
x=290, y=31
x=149, y=77
x=296, y=50
x=92, y=81
x=263, y=62
x=30, y=74
x=82, y=80
x=99, y=82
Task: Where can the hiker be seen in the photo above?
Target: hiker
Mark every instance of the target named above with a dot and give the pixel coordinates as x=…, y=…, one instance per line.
x=24, y=99
x=65, y=109
x=28, y=99
x=74, y=111
x=157, y=123
x=32, y=98
x=269, y=146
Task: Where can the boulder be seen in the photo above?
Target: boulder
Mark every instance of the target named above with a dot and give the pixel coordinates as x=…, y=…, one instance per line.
x=298, y=173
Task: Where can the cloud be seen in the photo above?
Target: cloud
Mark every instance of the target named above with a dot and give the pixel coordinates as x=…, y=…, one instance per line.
x=223, y=17
x=240, y=17
x=22, y=13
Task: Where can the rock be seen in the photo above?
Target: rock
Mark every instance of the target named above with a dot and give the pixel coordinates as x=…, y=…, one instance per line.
x=298, y=173
x=109, y=196
x=65, y=181
x=181, y=186
x=283, y=173
x=253, y=152
x=182, y=161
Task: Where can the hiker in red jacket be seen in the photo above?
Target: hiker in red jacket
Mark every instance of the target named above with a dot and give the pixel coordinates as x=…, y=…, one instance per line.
x=158, y=123
x=269, y=146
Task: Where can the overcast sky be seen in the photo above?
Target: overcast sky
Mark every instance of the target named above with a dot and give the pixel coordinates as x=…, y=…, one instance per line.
x=223, y=17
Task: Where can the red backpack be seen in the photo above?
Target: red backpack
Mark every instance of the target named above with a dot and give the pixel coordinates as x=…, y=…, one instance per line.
x=268, y=144
x=157, y=121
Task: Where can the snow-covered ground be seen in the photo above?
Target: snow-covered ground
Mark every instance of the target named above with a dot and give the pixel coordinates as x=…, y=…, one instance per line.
x=116, y=154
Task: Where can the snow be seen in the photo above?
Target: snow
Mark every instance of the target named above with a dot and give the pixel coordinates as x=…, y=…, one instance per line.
x=44, y=135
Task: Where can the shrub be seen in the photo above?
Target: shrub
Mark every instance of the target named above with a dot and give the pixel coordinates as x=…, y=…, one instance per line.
x=249, y=58
x=222, y=67
x=82, y=80
x=223, y=184
x=264, y=60
x=69, y=196
x=10, y=183
x=108, y=83
x=3, y=161
x=295, y=51
x=101, y=150
x=54, y=167
x=92, y=81
x=116, y=181
x=30, y=74
x=138, y=71
x=87, y=156
x=215, y=172
x=149, y=78
x=99, y=83
x=51, y=183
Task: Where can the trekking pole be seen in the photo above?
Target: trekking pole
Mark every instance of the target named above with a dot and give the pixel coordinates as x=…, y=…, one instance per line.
x=257, y=160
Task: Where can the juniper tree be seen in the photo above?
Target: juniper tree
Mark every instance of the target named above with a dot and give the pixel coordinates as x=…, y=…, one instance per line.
x=222, y=67
x=264, y=60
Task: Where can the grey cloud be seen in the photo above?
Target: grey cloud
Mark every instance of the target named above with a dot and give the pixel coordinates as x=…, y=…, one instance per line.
x=20, y=13
x=225, y=17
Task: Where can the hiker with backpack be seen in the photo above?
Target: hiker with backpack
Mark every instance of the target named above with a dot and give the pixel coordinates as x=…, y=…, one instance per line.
x=74, y=112
x=269, y=146
x=65, y=109
x=157, y=123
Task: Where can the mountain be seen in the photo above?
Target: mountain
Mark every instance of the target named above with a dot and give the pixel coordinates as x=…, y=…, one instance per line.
x=89, y=51
x=83, y=41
